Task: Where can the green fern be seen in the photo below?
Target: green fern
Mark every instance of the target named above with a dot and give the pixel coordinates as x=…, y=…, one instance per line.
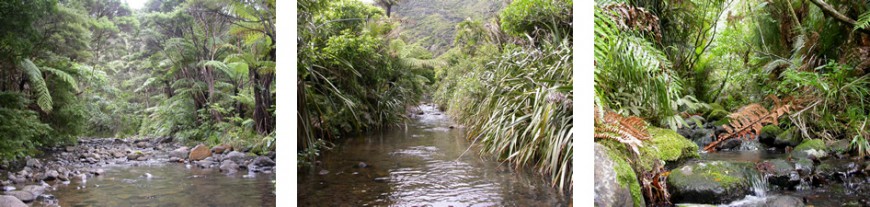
x=64, y=76
x=863, y=21
x=37, y=83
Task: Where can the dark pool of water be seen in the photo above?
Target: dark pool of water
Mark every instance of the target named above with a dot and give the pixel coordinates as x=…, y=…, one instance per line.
x=168, y=185
x=425, y=164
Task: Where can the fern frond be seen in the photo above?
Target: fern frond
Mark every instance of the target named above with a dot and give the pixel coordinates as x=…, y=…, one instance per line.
x=750, y=119
x=37, y=83
x=62, y=75
x=863, y=21
x=627, y=130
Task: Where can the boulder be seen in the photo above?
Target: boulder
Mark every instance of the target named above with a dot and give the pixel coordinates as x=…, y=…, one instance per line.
x=608, y=190
x=180, y=153
x=235, y=156
x=50, y=175
x=716, y=182
x=22, y=195
x=790, y=137
x=11, y=201
x=780, y=173
x=229, y=166
x=199, y=152
x=220, y=149
x=263, y=161
x=700, y=136
x=36, y=190
x=811, y=148
x=768, y=134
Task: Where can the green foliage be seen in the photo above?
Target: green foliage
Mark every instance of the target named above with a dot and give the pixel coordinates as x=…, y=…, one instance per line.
x=526, y=17
x=20, y=128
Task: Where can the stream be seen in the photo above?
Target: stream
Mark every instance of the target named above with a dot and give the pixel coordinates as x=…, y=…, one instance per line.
x=428, y=162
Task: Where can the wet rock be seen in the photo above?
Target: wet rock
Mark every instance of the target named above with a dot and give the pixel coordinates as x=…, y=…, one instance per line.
x=840, y=147
x=780, y=173
x=199, y=152
x=11, y=201
x=715, y=182
x=22, y=195
x=143, y=144
x=768, y=134
x=180, y=153
x=262, y=161
x=804, y=166
x=36, y=190
x=229, y=166
x=784, y=201
x=221, y=148
x=608, y=191
x=235, y=156
x=811, y=148
x=790, y=137
x=730, y=144
x=701, y=137
x=50, y=175
x=34, y=163
x=324, y=172
x=135, y=155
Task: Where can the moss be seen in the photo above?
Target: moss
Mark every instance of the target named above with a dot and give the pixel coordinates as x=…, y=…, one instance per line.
x=668, y=145
x=726, y=174
x=816, y=144
x=624, y=172
x=772, y=130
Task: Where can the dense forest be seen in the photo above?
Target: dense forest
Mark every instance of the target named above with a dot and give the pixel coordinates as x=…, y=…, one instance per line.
x=782, y=84
x=504, y=74
x=195, y=70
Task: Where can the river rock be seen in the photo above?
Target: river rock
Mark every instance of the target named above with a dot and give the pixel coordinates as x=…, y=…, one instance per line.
x=50, y=175
x=790, y=138
x=34, y=163
x=143, y=144
x=263, y=161
x=811, y=148
x=199, y=152
x=235, y=156
x=700, y=136
x=780, y=173
x=716, y=182
x=180, y=153
x=117, y=154
x=768, y=134
x=220, y=149
x=229, y=166
x=22, y=195
x=11, y=201
x=804, y=166
x=135, y=155
x=784, y=201
x=608, y=191
x=36, y=190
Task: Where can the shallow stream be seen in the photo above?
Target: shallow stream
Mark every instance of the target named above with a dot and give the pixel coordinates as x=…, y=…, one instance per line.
x=426, y=163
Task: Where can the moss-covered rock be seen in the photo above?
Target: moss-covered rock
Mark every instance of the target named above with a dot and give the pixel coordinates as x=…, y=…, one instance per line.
x=664, y=146
x=790, y=137
x=768, y=134
x=611, y=186
x=716, y=112
x=779, y=173
x=625, y=174
x=714, y=182
x=840, y=147
x=811, y=148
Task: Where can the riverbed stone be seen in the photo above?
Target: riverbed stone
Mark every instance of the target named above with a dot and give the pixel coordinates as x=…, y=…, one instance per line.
x=804, y=166
x=608, y=190
x=50, y=175
x=235, y=156
x=768, y=134
x=220, y=149
x=229, y=166
x=715, y=182
x=22, y=195
x=36, y=190
x=811, y=148
x=11, y=201
x=180, y=153
x=780, y=173
x=790, y=138
x=199, y=152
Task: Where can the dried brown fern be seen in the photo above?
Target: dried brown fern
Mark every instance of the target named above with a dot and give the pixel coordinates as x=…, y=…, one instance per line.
x=628, y=130
x=628, y=17
x=751, y=118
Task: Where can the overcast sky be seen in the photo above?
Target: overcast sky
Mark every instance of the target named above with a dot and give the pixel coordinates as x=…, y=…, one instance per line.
x=136, y=4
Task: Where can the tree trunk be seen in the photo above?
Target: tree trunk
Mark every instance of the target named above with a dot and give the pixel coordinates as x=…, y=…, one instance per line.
x=263, y=99
x=830, y=11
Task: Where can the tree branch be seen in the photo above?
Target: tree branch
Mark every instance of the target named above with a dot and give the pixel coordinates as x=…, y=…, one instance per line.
x=830, y=11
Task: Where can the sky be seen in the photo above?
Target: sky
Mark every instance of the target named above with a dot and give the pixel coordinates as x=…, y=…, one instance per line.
x=136, y=4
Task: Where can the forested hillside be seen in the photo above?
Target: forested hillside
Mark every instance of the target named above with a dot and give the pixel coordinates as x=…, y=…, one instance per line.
x=432, y=23
x=196, y=70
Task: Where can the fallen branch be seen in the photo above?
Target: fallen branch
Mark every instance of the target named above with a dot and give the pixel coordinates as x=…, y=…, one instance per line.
x=830, y=11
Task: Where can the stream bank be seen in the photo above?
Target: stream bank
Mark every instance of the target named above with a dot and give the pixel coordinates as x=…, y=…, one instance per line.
x=153, y=171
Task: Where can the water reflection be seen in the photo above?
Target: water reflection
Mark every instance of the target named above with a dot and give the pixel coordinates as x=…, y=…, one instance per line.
x=427, y=163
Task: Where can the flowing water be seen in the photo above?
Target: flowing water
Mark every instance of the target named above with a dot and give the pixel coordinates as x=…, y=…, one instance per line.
x=426, y=163
x=832, y=194
x=167, y=184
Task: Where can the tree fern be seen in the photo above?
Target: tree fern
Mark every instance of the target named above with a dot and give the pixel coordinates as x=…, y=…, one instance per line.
x=64, y=76
x=37, y=83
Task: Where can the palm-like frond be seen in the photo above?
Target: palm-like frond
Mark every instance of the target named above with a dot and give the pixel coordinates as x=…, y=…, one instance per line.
x=37, y=83
x=62, y=75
